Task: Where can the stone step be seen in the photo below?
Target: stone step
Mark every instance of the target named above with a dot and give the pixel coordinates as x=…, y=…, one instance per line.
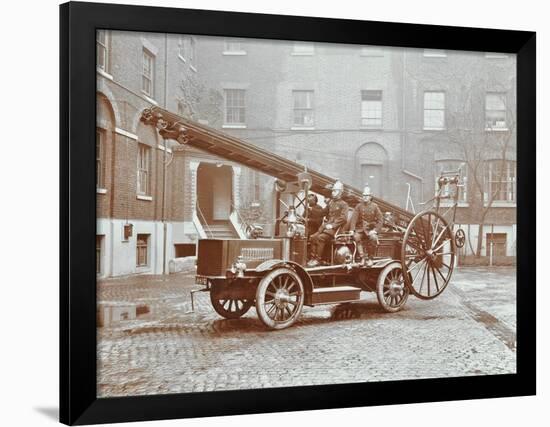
x=335, y=294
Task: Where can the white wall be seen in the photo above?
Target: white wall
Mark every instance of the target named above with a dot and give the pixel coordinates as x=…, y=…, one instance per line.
x=119, y=255
x=472, y=237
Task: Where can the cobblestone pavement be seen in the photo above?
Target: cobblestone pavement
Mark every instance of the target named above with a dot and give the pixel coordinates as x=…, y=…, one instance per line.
x=470, y=329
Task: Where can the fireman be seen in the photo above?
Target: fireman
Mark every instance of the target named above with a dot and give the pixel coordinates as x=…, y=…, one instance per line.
x=315, y=214
x=336, y=213
x=366, y=223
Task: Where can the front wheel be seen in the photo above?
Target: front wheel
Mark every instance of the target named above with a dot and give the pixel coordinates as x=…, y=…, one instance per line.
x=280, y=298
x=391, y=291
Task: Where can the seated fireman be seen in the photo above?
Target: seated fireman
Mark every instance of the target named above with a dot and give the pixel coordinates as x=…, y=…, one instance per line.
x=366, y=223
x=315, y=214
x=336, y=213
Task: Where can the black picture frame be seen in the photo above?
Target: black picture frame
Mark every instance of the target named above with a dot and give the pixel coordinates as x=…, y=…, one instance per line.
x=78, y=401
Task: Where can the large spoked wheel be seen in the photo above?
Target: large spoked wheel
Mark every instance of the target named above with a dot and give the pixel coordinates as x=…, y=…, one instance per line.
x=280, y=298
x=428, y=255
x=391, y=291
x=230, y=308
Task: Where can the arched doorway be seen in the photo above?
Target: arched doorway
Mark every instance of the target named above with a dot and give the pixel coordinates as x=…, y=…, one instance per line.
x=214, y=192
x=371, y=167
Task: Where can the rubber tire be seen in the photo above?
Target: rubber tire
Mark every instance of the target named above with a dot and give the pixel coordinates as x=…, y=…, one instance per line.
x=260, y=299
x=380, y=289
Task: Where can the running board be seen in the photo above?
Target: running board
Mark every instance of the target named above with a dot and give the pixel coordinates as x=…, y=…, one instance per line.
x=336, y=294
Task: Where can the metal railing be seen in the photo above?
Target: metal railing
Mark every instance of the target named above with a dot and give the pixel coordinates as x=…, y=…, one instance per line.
x=243, y=224
x=203, y=221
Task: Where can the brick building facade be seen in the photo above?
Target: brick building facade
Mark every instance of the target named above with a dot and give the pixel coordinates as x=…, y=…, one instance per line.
x=361, y=114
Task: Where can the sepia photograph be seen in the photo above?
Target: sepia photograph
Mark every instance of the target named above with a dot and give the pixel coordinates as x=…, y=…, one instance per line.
x=278, y=213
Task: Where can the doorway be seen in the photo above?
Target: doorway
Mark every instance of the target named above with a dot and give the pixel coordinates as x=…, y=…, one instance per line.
x=372, y=175
x=214, y=192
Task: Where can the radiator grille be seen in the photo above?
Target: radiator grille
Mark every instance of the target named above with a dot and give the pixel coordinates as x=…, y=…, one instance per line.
x=257, y=254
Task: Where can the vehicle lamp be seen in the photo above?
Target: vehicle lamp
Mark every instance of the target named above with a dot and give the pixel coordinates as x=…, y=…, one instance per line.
x=238, y=267
x=291, y=217
x=291, y=230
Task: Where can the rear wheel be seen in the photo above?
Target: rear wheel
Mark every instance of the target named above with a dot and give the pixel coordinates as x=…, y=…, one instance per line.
x=428, y=255
x=391, y=291
x=280, y=298
x=230, y=308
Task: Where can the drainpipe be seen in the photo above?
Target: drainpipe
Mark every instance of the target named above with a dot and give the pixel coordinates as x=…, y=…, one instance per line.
x=403, y=137
x=164, y=161
x=163, y=213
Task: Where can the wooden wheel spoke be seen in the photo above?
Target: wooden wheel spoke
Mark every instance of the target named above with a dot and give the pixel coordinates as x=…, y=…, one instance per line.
x=291, y=285
x=428, y=268
x=418, y=272
x=416, y=243
x=416, y=265
x=439, y=236
x=448, y=266
x=285, y=282
x=422, y=280
x=438, y=241
x=441, y=274
x=434, y=231
x=435, y=279
x=282, y=293
x=441, y=245
x=288, y=311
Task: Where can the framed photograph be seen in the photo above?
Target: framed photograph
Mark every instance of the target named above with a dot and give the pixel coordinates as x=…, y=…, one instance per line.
x=265, y=213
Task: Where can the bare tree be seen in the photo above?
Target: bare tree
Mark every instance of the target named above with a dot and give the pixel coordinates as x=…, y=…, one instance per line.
x=199, y=103
x=481, y=124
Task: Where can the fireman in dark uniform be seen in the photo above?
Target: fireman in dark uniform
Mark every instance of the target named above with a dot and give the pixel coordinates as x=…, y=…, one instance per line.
x=336, y=213
x=366, y=223
x=315, y=214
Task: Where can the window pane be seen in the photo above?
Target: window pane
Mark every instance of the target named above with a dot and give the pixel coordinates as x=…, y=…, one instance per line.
x=143, y=169
x=500, y=181
x=98, y=156
x=303, y=114
x=234, y=106
x=434, y=100
x=303, y=98
x=147, y=74
x=98, y=242
x=142, y=250
x=233, y=45
x=101, y=49
x=434, y=110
